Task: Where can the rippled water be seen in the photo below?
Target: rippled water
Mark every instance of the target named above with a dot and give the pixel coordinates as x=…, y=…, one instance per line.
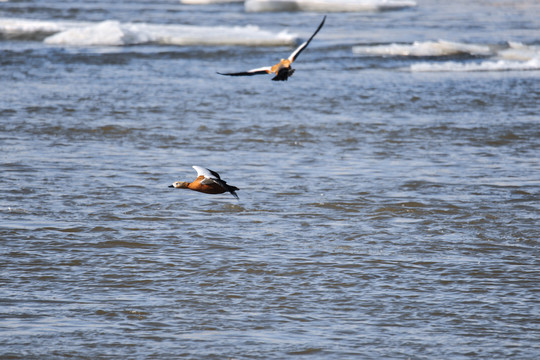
x=389, y=202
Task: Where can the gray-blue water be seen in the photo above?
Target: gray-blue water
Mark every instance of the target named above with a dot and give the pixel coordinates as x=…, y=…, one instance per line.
x=389, y=191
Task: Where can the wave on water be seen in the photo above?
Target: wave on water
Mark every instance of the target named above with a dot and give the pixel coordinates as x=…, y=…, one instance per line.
x=326, y=5
x=115, y=33
x=512, y=56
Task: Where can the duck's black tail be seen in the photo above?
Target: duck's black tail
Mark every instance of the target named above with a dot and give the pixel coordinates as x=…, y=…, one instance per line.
x=283, y=74
x=232, y=190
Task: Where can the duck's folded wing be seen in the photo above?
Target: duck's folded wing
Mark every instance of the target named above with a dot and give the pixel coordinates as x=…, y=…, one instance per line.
x=210, y=181
x=215, y=181
x=258, y=71
x=304, y=45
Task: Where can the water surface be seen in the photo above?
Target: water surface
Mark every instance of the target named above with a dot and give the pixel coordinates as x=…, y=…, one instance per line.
x=389, y=202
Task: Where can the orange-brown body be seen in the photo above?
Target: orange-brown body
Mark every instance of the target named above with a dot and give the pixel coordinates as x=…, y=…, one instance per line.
x=197, y=186
x=283, y=64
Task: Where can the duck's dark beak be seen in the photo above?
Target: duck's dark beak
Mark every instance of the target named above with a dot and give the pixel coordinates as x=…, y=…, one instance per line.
x=171, y=186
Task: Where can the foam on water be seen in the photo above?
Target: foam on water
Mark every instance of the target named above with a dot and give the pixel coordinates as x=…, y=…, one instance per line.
x=115, y=33
x=326, y=5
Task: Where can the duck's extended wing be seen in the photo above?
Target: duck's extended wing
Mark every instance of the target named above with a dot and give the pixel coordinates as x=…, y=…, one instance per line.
x=304, y=45
x=258, y=71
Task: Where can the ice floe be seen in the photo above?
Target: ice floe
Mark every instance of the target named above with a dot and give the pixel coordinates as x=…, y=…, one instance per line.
x=206, y=2
x=513, y=57
x=425, y=48
x=470, y=57
x=326, y=5
x=488, y=65
x=115, y=33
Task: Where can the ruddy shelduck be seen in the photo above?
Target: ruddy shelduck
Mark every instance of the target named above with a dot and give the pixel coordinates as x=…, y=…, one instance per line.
x=208, y=182
x=282, y=69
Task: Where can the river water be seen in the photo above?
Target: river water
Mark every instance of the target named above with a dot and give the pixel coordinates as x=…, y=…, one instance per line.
x=389, y=191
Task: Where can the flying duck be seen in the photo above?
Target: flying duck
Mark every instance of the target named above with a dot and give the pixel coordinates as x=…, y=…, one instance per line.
x=208, y=182
x=282, y=69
